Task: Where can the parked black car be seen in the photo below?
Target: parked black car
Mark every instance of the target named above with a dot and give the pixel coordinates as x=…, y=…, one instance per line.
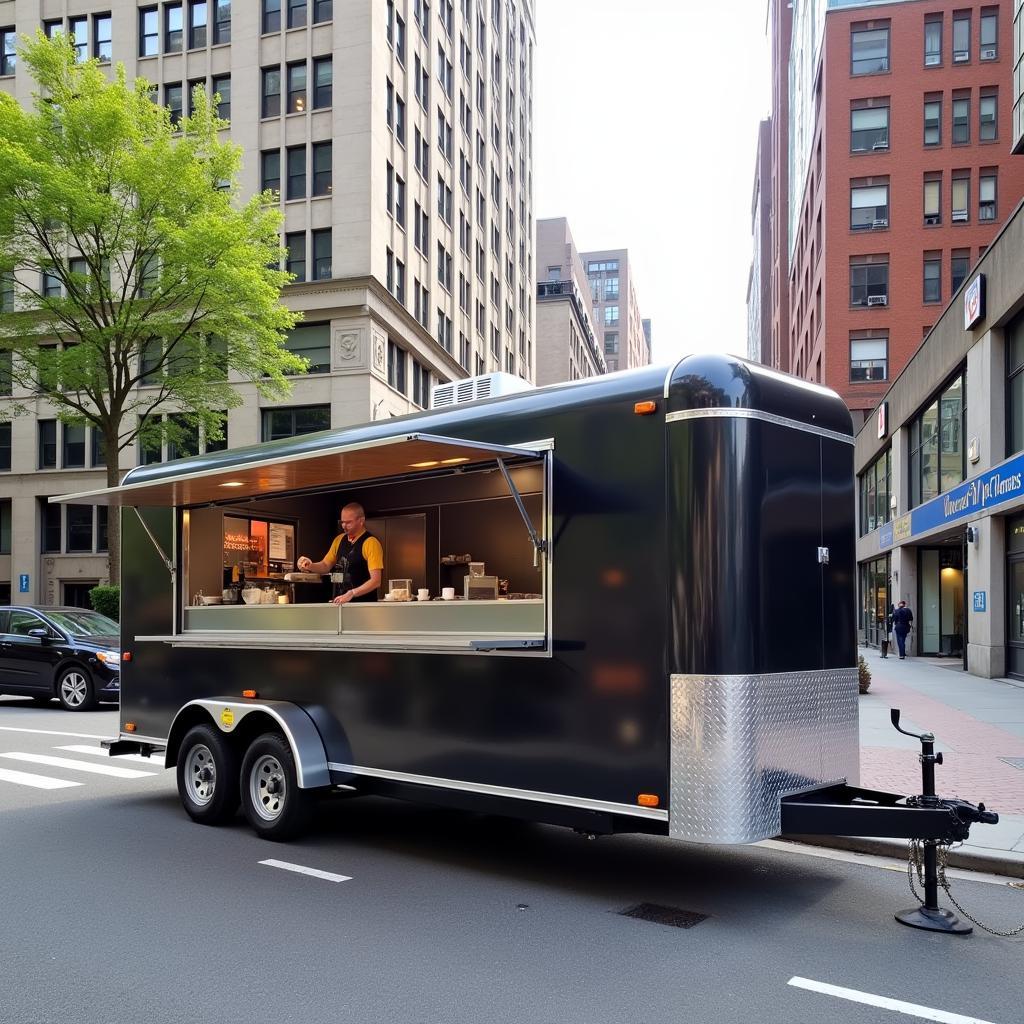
x=68, y=653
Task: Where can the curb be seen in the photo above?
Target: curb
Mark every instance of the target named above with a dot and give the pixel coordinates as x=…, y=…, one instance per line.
x=968, y=859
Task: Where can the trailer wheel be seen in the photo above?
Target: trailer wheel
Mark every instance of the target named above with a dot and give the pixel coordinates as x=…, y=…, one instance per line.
x=272, y=801
x=208, y=776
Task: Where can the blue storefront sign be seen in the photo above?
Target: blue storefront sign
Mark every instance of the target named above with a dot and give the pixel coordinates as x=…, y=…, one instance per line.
x=979, y=600
x=23, y=583
x=885, y=536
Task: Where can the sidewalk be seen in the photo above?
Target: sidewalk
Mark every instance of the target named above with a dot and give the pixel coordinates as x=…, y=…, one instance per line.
x=979, y=727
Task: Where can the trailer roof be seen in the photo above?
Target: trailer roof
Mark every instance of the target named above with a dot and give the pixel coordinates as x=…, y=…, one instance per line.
x=405, y=454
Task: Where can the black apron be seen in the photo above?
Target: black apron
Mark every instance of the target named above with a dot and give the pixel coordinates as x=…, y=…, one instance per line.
x=352, y=565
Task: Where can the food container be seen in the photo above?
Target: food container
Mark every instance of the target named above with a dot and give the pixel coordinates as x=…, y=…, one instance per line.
x=251, y=595
x=400, y=590
x=476, y=568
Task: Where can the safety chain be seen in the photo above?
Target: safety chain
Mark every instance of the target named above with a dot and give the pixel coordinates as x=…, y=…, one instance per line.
x=915, y=864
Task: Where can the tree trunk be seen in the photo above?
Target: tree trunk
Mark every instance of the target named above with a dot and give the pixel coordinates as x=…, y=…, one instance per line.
x=113, y=512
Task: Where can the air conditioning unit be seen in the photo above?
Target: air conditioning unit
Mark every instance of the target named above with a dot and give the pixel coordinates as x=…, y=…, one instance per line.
x=959, y=216
x=989, y=53
x=878, y=300
x=931, y=59
x=473, y=389
x=884, y=144
x=880, y=222
x=960, y=56
x=931, y=218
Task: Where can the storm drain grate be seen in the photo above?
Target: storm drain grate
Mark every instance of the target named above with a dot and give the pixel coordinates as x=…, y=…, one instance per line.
x=1014, y=762
x=659, y=914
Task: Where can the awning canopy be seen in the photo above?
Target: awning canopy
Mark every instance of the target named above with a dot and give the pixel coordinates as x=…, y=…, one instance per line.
x=400, y=456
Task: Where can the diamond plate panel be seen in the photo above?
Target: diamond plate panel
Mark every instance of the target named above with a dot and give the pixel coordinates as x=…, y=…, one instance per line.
x=740, y=743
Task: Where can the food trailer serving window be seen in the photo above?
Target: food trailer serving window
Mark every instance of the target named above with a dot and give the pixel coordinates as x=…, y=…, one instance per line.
x=506, y=485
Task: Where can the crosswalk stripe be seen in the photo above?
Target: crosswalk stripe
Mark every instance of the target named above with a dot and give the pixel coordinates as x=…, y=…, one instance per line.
x=78, y=766
x=153, y=762
x=35, y=781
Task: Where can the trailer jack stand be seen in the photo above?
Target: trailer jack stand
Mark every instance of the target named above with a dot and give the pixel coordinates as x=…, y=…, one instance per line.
x=929, y=915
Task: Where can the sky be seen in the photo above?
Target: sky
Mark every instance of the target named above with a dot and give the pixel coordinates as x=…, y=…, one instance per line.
x=645, y=136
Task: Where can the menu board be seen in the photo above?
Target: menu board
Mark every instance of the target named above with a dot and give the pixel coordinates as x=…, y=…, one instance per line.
x=282, y=542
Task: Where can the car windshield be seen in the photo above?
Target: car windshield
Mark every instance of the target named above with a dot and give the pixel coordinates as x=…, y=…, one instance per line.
x=85, y=623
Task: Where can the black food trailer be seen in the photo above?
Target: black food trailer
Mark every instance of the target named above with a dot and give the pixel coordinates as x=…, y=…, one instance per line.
x=675, y=652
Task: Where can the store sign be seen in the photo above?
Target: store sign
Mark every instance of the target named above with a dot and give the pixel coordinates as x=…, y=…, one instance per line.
x=995, y=487
x=883, y=420
x=974, y=302
x=885, y=536
x=979, y=600
x=895, y=532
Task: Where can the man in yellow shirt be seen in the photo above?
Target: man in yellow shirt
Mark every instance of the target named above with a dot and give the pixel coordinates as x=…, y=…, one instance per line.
x=356, y=554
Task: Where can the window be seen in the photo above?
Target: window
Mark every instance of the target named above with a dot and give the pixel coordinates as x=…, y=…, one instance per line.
x=396, y=367
x=869, y=50
x=313, y=342
x=296, y=13
x=6, y=298
x=303, y=419
x=987, y=120
x=933, y=199
x=271, y=92
x=932, y=277
x=961, y=119
x=221, y=86
x=869, y=207
x=323, y=82
x=444, y=267
x=322, y=169
x=47, y=444
x=421, y=82
x=1014, y=334
x=421, y=384
x=78, y=29
x=149, y=32
x=444, y=71
x=51, y=285
x=51, y=516
x=961, y=197
x=875, y=490
x=295, y=243
x=933, y=122
x=322, y=255
x=933, y=41
x=297, y=87
x=73, y=451
x=400, y=281
x=399, y=202
x=400, y=120
x=270, y=170
x=959, y=264
x=421, y=154
x=869, y=359
x=444, y=136
x=172, y=28
x=271, y=16
x=400, y=39
x=5, y=518
x=78, y=533
x=172, y=101
x=869, y=282
x=989, y=34
x=444, y=201
x=987, y=196
x=182, y=438
x=961, y=37
x=102, y=36
x=869, y=129
x=197, y=15
x=221, y=28
x=444, y=330
x=323, y=10
x=937, y=451
x=611, y=343
x=297, y=172
x=421, y=228
x=611, y=316
x=150, y=361
x=8, y=52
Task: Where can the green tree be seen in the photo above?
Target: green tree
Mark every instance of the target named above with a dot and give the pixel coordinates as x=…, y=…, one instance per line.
x=133, y=261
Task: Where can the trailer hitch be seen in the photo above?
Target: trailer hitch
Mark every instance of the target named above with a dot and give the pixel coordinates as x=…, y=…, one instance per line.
x=929, y=915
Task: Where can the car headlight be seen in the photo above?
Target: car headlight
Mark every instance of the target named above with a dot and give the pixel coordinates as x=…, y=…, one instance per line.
x=112, y=659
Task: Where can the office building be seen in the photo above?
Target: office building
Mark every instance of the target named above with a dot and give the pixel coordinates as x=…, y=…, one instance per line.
x=567, y=345
x=759, y=278
x=617, y=312
x=399, y=135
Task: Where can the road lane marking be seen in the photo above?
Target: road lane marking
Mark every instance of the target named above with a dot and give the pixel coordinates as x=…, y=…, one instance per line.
x=100, y=752
x=896, y=1005
x=327, y=876
x=35, y=781
x=51, y=732
x=78, y=766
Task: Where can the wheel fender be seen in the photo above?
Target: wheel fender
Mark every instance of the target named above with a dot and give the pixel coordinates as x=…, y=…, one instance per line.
x=226, y=713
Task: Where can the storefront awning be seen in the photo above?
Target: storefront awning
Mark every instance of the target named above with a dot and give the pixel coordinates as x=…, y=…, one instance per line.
x=358, y=462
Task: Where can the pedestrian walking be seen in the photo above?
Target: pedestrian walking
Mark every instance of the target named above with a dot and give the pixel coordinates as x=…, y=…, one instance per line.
x=902, y=622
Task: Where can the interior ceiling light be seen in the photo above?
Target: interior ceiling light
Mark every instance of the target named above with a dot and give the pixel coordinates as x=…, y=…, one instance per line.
x=233, y=483
x=423, y=465
x=452, y=462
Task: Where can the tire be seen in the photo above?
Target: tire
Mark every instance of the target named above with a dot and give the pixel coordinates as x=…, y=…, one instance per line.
x=75, y=689
x=207, y=773
x=272, y=802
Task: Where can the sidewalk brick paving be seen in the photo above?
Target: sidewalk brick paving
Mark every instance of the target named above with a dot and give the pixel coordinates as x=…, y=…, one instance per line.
x=972, y=768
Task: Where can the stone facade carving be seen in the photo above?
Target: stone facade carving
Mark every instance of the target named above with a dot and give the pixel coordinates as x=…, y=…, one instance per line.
x=350, y=355
x=379, y=343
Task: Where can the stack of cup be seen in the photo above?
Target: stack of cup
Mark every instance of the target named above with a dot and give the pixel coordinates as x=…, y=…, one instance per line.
x=423, y=594
x=448, y=593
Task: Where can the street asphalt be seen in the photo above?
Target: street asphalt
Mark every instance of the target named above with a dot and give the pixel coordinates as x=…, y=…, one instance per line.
x=118, y=909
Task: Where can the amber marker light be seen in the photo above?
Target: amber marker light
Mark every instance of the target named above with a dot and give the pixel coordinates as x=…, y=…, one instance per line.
x=129, y=727
x=126, y=656
x=645, y=408
x=249, y=693
x=647, y=800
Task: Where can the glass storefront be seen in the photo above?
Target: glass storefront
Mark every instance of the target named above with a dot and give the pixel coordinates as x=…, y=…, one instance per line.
x=1015, y=597
x=939, y=616
x=874, y=599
